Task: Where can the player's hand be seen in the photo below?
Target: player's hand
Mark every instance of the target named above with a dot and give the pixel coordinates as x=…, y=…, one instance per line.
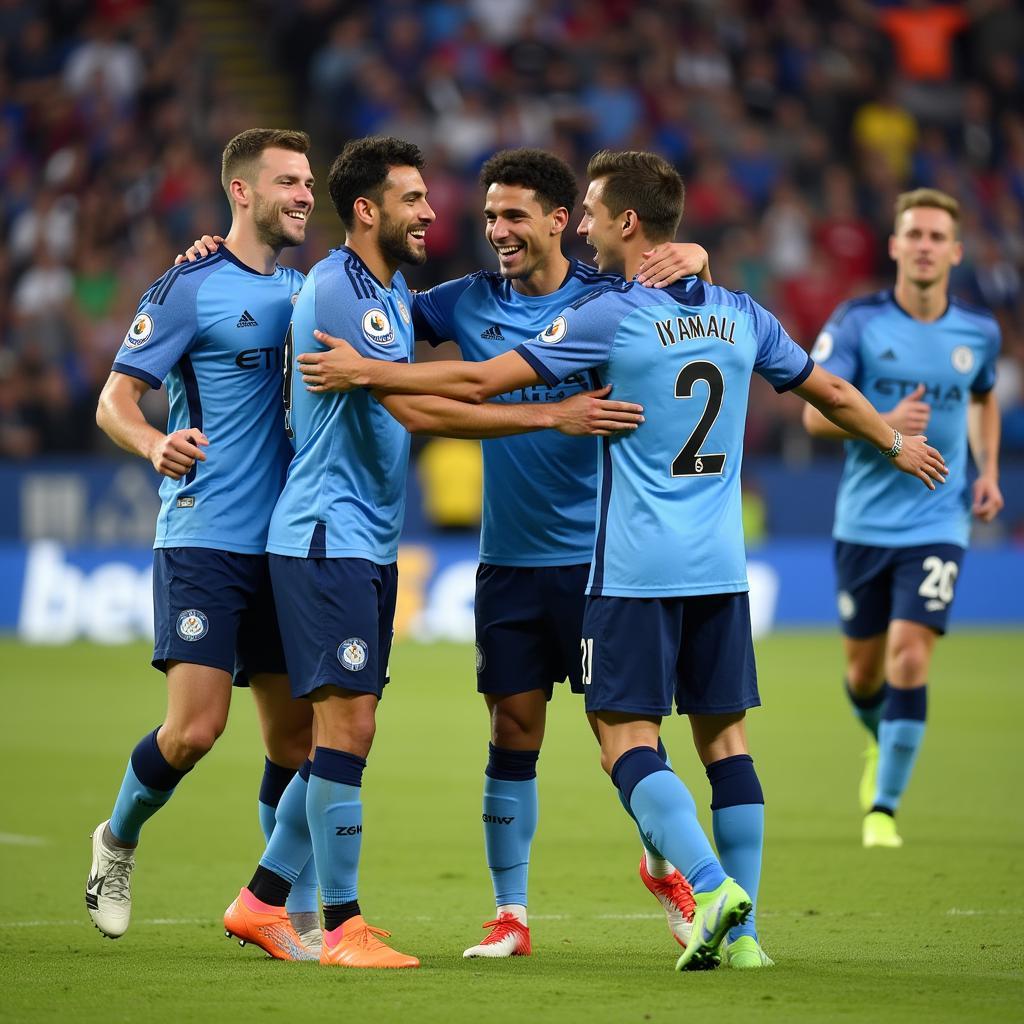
x=333, y=370
x=667, y=263
x=199, y=248
x=921, y=460
x=591, y=412
x=910, y=415
x=175, y=454
x=988, y=499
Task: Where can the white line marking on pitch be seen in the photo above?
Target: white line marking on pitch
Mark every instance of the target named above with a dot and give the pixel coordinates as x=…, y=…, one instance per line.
x=191, y=921
x=13, y=839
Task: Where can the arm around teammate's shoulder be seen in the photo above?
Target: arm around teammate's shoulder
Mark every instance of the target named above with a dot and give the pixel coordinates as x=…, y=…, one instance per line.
x=840, y=403
x=118, y=415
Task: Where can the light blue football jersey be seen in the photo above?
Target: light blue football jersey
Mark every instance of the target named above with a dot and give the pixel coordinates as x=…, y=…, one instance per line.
x=215, y=331
x=539, y=488
x=886, y=353
x=345, y=492
x=668, y=518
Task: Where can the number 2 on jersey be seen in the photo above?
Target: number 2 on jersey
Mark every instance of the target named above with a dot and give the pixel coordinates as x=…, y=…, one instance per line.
x=286, y=391
x=690, y=461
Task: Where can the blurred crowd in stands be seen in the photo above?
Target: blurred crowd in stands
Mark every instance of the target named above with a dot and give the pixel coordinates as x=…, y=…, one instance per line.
x=795, y=124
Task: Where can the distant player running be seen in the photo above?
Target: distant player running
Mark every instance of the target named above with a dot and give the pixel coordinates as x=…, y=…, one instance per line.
x=537, y=536
x=930, y=361
x=667, y=620
x=215, y=332
x=334, y=541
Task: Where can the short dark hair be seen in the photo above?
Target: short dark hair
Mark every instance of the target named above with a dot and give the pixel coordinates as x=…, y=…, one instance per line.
x=242, y=154
x=643, y=182
x=550, y=177
x=361, y=169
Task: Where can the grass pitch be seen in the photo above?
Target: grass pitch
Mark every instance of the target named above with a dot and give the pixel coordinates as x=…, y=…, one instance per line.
x=932, y=931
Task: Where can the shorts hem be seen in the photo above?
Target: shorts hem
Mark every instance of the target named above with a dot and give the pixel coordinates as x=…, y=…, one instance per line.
x=730, y=709
x=159, y=661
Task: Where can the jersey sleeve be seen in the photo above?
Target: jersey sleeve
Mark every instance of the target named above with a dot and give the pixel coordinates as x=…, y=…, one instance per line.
x=780, y=360
x=985, y=380
x=837, y=348
x=344, y=309
x=579, y=338
x=433, y=311
x=164, y=329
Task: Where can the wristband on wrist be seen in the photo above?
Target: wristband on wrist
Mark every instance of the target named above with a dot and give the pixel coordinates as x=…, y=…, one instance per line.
x=897, y=445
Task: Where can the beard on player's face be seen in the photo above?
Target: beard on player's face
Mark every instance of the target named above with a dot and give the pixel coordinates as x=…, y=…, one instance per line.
x=268, y=218
x=395, y=243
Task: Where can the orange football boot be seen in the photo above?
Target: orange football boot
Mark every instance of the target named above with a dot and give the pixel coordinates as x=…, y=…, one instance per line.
x=673, y=892
x=251, y=920
x=356, y=944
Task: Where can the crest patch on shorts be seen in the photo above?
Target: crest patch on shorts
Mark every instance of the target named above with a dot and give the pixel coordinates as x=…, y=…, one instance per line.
x=353, y=654
x=193, y=625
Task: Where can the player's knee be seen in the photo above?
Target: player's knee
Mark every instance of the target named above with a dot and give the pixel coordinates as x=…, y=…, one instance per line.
x=607, y=761
x=909, y=664
x=864, y=680
x=289, y=748
x=184, y=745
x=515, y=730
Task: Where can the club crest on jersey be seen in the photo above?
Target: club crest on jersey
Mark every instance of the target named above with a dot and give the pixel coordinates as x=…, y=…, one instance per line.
x=847, y=605
x=140, y=331
x=353, y=654
x=555, y=331
x=403, y=312
x=822, y=347
x=377, y=327
x=963, y=359
x=193, y=625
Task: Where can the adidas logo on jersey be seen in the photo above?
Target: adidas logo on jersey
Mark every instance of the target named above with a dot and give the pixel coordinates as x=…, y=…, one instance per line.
x=888, y=355
x=246, y=320
x=493, y=333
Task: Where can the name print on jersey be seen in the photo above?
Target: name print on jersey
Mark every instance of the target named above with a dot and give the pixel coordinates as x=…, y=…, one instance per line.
x=698, y=326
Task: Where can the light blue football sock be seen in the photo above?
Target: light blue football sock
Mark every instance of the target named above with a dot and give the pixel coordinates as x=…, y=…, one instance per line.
x=149, y=782
x=289, y=849
x=510, y=821
x=334, y=809
x=667, y=815
x=647, y=844
x=899, y=740
x=737, y=818
x=868, y=709
x=303, y=895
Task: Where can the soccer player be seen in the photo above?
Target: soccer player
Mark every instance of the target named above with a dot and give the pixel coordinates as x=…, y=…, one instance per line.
x=215, y=332
x=539, y=497
x=334, y=539
x=928, y=360
x=667, y=617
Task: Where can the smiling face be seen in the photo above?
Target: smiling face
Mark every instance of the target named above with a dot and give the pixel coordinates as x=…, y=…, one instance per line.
x=282, y=198
x=925, y=246
x=601, y=231
x=405, y=216
x=523, y=236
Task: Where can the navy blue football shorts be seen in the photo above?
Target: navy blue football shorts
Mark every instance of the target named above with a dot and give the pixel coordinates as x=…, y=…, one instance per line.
x=876, y=585
x=215, y=608
x=641, y=655
x=529, y=621
x=337, y=617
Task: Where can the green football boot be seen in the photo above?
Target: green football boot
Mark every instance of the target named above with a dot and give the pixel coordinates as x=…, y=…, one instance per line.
x=880, y=830
x=717, y=912
x=746, y=954
x=869, y=777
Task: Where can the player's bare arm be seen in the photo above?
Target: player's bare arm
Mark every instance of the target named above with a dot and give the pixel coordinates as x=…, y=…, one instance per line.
x=582, y=414
x=667, y=263
x=841, y=403
x=983, y=429
x=341, y=368
x=910, y=415
x=118, y=415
